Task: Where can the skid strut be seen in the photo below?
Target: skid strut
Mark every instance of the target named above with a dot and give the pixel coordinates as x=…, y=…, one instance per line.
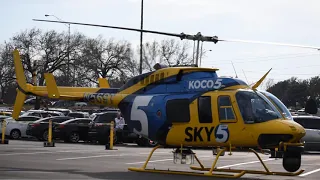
x=143, y=169
x=237, y=172
x=266, y=172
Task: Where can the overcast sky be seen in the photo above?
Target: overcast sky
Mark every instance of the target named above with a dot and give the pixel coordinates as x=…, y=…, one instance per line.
x=290, y=21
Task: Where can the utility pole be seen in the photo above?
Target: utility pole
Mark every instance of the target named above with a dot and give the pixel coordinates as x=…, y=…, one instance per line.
x=34, y=81
x=68, y=48
x=68, y=54
x=140, y=69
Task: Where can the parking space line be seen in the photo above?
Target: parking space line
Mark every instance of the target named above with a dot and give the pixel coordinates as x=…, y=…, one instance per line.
x=155, y=153
x=250, y=162
x=310, y=172
x=86, y=157
x=142, y=162
x=29, y=153
x=48, y=152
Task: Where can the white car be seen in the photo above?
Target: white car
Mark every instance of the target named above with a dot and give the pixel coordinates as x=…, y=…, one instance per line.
x=16, y=129
x=42, y=113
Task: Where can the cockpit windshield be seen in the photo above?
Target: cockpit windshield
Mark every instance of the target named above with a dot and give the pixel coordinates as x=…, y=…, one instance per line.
x=255, y=108
x=284, y=110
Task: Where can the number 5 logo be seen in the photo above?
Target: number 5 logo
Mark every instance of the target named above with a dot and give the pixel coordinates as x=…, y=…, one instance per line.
x=222, y=133
x=139, y=115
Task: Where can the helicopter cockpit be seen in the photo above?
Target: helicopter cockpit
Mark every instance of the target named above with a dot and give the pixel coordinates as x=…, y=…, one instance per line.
x=255, y=107
x=283, y=109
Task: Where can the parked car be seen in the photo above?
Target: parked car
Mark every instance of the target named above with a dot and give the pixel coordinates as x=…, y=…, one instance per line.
x=72, y=130
x=312, y=127
x=99, y=130
x=16, y=129
x=79, y=114
x=39, y=128
x=2, y=117
x=42, y=113
x=62, y=110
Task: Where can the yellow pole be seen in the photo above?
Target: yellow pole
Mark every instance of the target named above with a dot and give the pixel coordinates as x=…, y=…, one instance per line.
x=3, y=131
x=50, y=132
x=111, y=134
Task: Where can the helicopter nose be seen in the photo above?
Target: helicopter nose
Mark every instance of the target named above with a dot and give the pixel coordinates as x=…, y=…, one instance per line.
x=296, y=130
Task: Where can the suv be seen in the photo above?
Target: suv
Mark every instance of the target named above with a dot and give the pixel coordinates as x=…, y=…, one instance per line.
x=312, y=128
x=99, y=130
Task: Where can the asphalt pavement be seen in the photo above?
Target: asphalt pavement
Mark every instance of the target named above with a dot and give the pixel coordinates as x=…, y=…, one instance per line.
x=30, y=160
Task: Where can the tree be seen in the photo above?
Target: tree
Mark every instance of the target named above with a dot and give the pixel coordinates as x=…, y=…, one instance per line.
x=269, y=83
x=293, y=90
x=6, y=72
x=106, y=59
x=169, y=52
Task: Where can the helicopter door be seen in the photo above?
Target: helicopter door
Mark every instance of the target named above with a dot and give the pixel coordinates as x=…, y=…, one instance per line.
x=226, y=110
x=204, y=109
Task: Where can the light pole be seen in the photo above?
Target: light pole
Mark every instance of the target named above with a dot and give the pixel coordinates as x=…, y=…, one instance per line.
x=68, y=47
x=140, y=69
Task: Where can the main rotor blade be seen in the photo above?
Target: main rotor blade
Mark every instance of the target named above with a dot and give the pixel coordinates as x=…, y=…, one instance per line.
x=198, y=36
x=114, y=27
x=271, y=43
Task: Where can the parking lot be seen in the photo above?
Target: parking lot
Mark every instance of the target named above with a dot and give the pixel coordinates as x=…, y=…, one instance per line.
x=30, y=160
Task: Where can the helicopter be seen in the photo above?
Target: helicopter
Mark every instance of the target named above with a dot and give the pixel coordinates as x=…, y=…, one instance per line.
x=189, y=107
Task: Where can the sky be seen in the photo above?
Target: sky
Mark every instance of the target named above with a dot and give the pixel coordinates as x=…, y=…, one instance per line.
x=283, y=21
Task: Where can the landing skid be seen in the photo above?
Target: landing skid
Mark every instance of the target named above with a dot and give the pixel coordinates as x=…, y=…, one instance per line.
x=237, y=173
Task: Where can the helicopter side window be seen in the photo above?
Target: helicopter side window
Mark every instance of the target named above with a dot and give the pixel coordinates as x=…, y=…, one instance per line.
x=152, y=79
x=254, y=108
x=178, y=110
x=157, y=77
x=204, y=109
x=225, y=109
x=161, y=77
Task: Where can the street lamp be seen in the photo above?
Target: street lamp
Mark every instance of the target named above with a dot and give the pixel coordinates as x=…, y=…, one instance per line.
x=68, y=48
x=141, y=24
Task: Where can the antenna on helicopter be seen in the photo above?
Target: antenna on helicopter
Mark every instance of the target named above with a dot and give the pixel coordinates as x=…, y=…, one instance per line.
x=234, y=69
x=245, y=76
x=198, y=37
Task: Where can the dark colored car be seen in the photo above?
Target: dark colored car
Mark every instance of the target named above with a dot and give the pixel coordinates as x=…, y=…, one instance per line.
x=99, y=130
x=39, y=128
x=72, y=130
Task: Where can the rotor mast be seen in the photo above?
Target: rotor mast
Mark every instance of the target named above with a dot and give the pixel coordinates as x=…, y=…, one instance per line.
x=198, y=37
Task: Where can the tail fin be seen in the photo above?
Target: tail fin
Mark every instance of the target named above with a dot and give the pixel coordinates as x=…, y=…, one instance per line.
x=22, y=85
x=52, y=87
x=103, y=83
x=257, y=84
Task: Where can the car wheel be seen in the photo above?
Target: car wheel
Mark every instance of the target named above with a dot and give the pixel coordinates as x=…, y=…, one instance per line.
x=45, y=135
x=74, y=137
x=15, y=134
x=151, y=143
x=115, y=139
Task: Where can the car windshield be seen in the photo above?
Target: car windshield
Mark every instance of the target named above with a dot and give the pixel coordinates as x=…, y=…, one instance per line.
x=105, y=118
x=284, y=110
x=255, y=108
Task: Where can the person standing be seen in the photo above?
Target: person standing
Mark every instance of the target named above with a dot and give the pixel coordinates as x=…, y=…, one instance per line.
x=119, y=120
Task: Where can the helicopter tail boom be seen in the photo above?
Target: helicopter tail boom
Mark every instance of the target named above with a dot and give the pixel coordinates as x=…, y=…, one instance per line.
x=99, y=96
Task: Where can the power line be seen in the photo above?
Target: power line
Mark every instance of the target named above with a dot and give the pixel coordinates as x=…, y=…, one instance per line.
x=272, y=59
x=284, y=74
